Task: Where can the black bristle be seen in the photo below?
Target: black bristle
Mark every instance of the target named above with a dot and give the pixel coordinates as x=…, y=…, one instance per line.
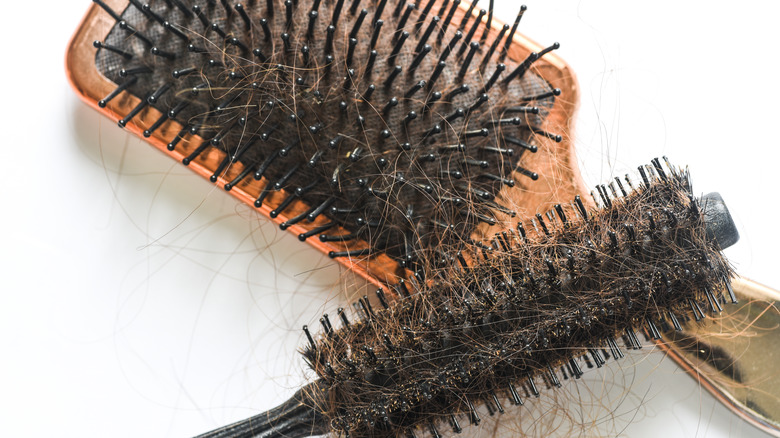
x=178, y=138
x=532, y=387
x=514, y=396
x=488, y=24
x=402, y=22
x=312, y=344
x=201, y=16
x=427, y=34
x=358, y=23
x=397, y=47
x=172, y=29
x=467, y=16
x=511, y=36
x=489, y=55
x=382, y=299
x=398, y=8
x=419, y=58
x=455, y=424
x=101, y=45
x=108, y=9
x=288, y=13
x=135, y=33
x=194, y=154
x=474, y=47
x=391, y=78
x=162, y=119
x=313, y=15
x=147, y=9
x=343, y=316
x=120, y=88
x=156, y=51
x=353, y=8
x=451, y=46
x=134, y=112
x=448, y=19
x=443, y=8
x=379, y=10
x=433, y=430
x=314, y=231
x=325, y=323
x=522, y=68
x=375, y=35
x=226, y=6
x=283, y=205
x=134, y=71
x=470, y=35
x=337, y=12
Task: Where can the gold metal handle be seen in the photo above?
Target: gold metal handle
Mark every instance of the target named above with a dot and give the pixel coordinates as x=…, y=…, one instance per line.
x=735, y=355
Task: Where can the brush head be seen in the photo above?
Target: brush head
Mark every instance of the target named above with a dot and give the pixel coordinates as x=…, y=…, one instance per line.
x=399, y=123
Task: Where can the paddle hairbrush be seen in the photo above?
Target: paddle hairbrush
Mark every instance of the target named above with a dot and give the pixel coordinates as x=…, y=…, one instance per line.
x=374, y=147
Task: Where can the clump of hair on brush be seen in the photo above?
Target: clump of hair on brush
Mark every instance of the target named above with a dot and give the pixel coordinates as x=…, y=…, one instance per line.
x=399, y=122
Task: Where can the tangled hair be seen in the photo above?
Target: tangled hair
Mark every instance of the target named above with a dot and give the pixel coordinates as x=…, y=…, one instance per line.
x=532, y=304
x=398, y=123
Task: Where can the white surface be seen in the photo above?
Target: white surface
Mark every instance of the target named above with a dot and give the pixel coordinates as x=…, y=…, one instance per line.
x=137, y=300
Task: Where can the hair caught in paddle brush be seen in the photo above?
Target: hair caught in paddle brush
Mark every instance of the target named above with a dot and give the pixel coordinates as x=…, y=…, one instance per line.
x=400, y=123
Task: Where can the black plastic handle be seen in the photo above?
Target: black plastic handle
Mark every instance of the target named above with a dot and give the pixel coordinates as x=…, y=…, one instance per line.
x=298, y=417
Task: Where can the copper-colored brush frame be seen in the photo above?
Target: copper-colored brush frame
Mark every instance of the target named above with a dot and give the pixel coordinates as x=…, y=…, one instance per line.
x=559, y=179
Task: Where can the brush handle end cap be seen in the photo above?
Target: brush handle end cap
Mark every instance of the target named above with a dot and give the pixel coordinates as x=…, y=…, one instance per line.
x=719, y=223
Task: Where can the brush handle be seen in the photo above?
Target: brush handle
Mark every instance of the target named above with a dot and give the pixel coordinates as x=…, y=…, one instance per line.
x=749, y=359
x=297, y=417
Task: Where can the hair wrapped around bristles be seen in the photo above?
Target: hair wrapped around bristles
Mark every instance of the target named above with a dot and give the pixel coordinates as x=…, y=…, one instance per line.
x=399, y=123
x=542, y=300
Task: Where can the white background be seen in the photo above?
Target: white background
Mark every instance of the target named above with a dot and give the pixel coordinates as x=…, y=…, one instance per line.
x=137, y=300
